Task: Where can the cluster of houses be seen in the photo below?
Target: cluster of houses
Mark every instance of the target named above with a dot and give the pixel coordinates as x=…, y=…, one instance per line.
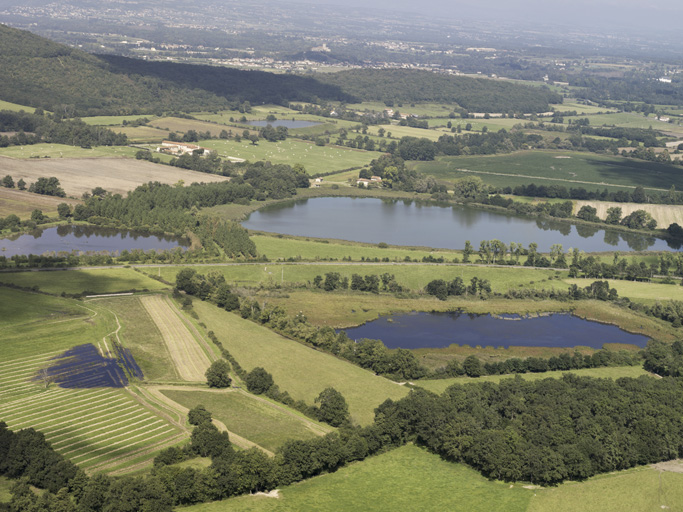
x=181, y=148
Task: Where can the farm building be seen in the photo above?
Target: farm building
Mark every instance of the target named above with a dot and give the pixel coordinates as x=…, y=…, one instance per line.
x=181, y=148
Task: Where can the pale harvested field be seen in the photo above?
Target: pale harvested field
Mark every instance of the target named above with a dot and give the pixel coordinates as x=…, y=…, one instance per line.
x=116, y=175
x=177, y=124
x=664, y=214
x=22, y=203
x=188, y=357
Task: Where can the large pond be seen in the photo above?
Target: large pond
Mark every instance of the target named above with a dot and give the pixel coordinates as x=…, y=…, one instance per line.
x=404, y=222
x=84, y=239
x=289, y=124
x=438, y=330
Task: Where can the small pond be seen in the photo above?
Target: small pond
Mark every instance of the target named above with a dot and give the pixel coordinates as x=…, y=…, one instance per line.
x=287, y=123
x=439, y=330
x=84, y=239
x=405, y=222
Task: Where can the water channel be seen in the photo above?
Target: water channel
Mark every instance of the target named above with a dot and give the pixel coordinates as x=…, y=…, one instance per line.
x=439, y=330
x=405, y=222
x=84, y=239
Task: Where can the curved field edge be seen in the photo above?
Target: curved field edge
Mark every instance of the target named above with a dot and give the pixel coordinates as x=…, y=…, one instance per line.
x=298, y=369
x=407, y=478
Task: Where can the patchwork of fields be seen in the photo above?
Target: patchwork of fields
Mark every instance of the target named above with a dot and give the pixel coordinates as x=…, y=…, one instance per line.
x=96, y=428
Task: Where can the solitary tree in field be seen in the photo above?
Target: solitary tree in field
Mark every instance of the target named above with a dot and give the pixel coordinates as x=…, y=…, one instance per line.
x=333, y=408
x=217, y=375
x=198, y=415
x=259, y=381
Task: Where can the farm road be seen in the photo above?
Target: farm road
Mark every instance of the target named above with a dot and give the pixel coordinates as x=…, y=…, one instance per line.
x=188, y=357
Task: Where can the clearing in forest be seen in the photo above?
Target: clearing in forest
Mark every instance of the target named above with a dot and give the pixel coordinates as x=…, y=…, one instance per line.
x=189, y=358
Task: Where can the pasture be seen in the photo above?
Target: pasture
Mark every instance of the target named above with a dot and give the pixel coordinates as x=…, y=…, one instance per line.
x=191, y=362
x=412, y=276
x=81, y=174
x=268, y=425
x=94, y=281
x=14, y=107
x=570, y=169
x=633, y=120
x=144, y=134
x=115, y=120
x=406, y=478
x=48, y=150
x=640, y=291
x=141, y=335
x=664, y=214
x=22, y=203
x=644, y=488
x=405, y=131
x=177, y=124
x=314, y=158
x=440, y=385
x=297, y=369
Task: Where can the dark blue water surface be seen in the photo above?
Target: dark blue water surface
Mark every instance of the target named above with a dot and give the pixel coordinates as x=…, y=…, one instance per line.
x=404, y=222
x=438, y=330
x=291, y=124
x=84, y=239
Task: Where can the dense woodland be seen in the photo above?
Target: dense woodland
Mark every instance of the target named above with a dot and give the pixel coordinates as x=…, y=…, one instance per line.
x=474, y=95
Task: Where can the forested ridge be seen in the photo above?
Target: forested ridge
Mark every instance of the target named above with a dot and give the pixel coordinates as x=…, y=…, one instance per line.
x=472, y=94
x=55, y=77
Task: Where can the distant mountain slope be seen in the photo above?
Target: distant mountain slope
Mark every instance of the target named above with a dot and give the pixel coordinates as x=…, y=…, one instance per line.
x=472, y=94
x=39, y=73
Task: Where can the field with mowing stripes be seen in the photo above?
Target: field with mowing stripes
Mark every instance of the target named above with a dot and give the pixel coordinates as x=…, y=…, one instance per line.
x=190, y=360
x=97, y=428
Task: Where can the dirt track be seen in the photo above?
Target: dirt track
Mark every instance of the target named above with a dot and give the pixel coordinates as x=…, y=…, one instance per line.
x=188, y=357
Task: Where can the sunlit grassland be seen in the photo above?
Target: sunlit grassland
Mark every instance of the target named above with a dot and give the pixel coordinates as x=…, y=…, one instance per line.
x=49, y=150
x=407, y=479
x=177, y=124
x=297, y=369
x=284, y=247
x=141, y=336
x=265, y=425
x=145, y=134
x=418, y=109
x=412, y=276
x=96, y=281
x=580, y=108
x=114, y=120
x=570, y=169
x=22, y=203
x=633, y=120
x=439, y=385
x=405, y=131
x=15, y=107
x=34, y=324
x=642, y=292
x=291, y=151
x=644, y=489
x=5, y=484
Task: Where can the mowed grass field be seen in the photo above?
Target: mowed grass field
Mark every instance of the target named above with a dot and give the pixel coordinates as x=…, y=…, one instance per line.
x=259, y=422
x=142, y=337
x=14, y=107
x=49, y=151
x=642, y=292
x=177, y=124
x=80, y=173
x=405, y=479
x=284, y=247
x=297, y=369
x=96, y=281
x=292, y=151
x=22, y=203
x=570, y=169
x=96, y=428
x=664, y=214
x=189, y=359
x=440, y=385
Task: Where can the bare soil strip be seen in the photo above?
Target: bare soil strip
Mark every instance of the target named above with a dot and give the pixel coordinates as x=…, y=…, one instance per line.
x=117, y=175
x=188, y=357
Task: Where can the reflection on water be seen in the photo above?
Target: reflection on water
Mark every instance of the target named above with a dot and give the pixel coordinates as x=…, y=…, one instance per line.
x=67, y=238
x=404, y=222
x=437, y=330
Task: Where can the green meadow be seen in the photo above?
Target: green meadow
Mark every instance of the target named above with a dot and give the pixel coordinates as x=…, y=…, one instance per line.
x=94, y=281
x=298, y=369
x=49, y=150
x=291, y=151
x=14, y=107
x=570, y=169
x=440, y=385
x=267, y=425
x=406, y=479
